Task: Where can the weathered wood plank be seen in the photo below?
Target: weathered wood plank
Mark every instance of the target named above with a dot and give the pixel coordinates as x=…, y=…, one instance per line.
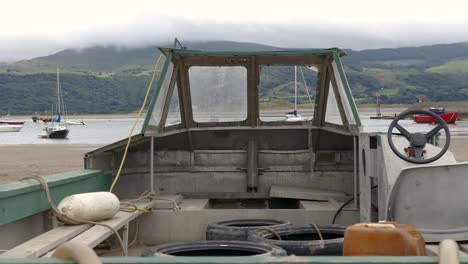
x=433, y=249
x=96, y=234
x=42, y=244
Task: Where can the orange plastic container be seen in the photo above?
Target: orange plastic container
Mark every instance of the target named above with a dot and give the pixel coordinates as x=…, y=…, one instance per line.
x=383, y=239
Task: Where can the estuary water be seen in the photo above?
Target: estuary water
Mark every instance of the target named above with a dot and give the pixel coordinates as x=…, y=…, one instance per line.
x=107, y=131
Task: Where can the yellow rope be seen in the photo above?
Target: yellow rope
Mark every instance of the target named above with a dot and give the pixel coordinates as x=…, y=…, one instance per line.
x=134, y=124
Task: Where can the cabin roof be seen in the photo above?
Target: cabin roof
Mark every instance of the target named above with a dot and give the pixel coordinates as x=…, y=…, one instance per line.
x=284, y=52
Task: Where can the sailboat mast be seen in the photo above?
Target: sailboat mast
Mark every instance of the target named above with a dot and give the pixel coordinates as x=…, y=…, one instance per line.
x=295, y=87
x=58, y=93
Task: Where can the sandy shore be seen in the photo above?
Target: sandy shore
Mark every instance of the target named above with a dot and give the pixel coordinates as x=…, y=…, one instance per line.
x=17, y=161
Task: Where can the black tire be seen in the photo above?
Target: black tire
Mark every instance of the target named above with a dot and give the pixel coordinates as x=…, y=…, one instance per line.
x=214, y=248
x=239, y=229
x=304, y=241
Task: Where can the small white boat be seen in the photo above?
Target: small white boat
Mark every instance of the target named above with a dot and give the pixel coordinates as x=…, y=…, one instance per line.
x=75, y=122
x=11, y=126
x=293, y=116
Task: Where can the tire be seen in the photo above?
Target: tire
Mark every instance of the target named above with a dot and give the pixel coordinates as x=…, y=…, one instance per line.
x=214, y=248
x=304, y=241
x=239, y=229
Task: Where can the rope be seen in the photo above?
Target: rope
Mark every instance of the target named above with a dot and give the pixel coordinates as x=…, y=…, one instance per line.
x=318, y=231
x=346, y=203
x=176, y=207
x=271, y=231
x=152, y=196
x=130, y=208
x=135, y=123
x=45, y=188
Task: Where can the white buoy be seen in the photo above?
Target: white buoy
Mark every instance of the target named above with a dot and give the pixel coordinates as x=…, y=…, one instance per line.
x=94, y=206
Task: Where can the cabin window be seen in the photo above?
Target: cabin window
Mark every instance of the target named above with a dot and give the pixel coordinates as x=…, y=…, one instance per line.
x=161, y=99
x=219, y=94
x=284, y=89
x=332, y=113
x=173, y=116
x=340, y=87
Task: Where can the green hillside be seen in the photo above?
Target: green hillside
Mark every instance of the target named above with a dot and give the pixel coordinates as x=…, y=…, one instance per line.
x=112, y=79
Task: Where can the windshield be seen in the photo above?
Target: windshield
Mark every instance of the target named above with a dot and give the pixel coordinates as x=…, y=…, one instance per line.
x=219, y=94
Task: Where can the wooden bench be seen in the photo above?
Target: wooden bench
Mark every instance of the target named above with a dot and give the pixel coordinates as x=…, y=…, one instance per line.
x=433, y=249
x=88, y=234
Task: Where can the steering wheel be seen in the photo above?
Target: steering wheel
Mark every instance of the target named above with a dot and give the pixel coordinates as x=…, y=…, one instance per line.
x=418, y=140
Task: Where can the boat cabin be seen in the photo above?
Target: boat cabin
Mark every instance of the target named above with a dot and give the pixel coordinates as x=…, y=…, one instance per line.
x=208, y=140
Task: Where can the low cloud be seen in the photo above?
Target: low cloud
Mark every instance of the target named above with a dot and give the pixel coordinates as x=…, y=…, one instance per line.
x=155, y=28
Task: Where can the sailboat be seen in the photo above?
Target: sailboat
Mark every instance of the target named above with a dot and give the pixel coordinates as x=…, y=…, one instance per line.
x=294, y=116
x=58, y=129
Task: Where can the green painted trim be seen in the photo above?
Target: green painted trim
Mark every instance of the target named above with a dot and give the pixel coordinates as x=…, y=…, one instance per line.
x=25, y=198
x=244, y=260
x=255, y=53
x=347, y=89
x=156, y=93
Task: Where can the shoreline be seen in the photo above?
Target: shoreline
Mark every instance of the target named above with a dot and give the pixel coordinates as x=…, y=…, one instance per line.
x=87, y=116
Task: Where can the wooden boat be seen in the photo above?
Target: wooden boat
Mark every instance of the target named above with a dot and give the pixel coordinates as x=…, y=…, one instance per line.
x=194, y=172
x=40, y=119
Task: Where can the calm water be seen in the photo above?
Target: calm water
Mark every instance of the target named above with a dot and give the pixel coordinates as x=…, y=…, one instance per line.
x=96, y=132
x=107, y=131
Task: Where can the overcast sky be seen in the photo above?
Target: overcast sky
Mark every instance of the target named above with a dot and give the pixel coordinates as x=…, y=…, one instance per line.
x=31, y=28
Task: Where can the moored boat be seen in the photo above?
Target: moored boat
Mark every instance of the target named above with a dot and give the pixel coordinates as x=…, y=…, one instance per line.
x=10, y=126
x=449, y=117
x=69, y=122
x=40, y=119
x=58, y=129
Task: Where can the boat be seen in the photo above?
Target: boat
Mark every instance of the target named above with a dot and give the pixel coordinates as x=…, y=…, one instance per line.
x=58, y=129
x=293, y=116
x=69, y=122
x=11, y=126
x=174, y=180
x=40, y=119
x=449, y=117
x=6, y=125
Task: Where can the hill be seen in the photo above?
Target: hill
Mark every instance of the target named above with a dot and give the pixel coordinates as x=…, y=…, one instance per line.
x=114, y=80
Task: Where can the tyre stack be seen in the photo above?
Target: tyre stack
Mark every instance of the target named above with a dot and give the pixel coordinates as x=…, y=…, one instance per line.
x=258, y=237
x=241, y=228
x=304, y=241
